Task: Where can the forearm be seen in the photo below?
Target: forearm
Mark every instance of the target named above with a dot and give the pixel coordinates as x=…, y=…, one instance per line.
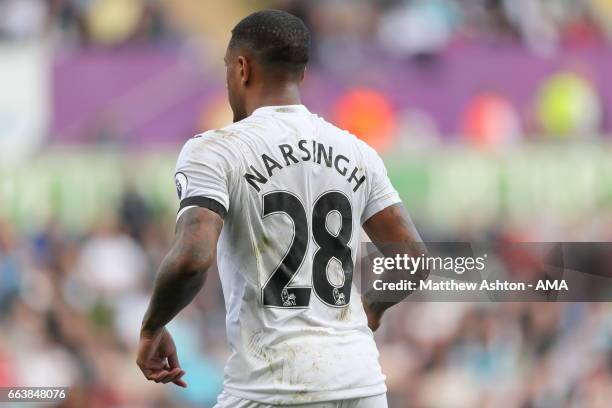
x=175, y=287
x=183, y=271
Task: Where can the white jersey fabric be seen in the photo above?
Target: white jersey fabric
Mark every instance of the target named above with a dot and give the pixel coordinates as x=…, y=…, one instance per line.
x=377, y=401
x=294, y=191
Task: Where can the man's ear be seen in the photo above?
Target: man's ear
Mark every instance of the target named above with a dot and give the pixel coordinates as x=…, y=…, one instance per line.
x=245, y=69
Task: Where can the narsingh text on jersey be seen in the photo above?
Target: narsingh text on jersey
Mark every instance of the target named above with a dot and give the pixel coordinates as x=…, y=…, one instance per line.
x=305, y=151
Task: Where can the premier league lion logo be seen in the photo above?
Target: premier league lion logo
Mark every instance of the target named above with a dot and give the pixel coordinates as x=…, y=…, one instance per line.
x=339, y=297
x=288, y=299
x=181, y=184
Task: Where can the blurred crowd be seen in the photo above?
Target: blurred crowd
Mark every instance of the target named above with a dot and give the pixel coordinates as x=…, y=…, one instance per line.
x=85, y=22
x=71, y=304
x=498, y=355
x=425, y=27
x=405, y=27
x=366, y=44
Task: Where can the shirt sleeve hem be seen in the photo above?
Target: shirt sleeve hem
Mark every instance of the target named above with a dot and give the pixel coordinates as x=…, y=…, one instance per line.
x=202, y=202
x=379, y=205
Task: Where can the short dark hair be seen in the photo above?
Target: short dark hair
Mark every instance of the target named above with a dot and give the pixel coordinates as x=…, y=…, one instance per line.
x=275, y=37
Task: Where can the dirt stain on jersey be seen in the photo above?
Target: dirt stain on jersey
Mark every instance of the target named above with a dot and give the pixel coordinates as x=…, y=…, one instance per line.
x=221, y=132
x=301, y=397
x=257, y=349
x=263, y=243
x=281, y=361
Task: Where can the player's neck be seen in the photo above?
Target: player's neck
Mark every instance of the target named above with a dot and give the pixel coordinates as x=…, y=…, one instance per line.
x=289, y=94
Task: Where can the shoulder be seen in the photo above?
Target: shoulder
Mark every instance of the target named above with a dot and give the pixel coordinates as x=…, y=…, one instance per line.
x=209, y=137
x=233, y=132
x=209, y=146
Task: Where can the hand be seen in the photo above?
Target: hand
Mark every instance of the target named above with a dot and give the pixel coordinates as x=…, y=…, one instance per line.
x=157, y=358
x=374, y=317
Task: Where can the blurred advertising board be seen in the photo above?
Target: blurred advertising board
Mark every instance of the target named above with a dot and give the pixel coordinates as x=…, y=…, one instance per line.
x=446, y=189
x=143, y=96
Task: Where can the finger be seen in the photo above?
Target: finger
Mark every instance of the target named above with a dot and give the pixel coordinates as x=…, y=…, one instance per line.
x=168, y=376
x=151, y=374
x=160, y=378
x=158, y=375
x=180, y=383
x=171, y=376
x=175, y=374
x=173, y=360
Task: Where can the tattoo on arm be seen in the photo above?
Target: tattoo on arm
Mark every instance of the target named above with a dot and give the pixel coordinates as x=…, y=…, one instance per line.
x=182, y=273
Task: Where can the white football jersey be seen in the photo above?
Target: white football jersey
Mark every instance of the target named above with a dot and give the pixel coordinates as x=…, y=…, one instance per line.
x=294, y=191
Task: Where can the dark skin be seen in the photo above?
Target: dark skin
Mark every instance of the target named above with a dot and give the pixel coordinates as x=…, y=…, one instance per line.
x=182, y=273
x=251, y=84
x=180, y=277
x=393, y=233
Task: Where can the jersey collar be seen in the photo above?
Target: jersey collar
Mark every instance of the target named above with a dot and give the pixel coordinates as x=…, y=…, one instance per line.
x=280, y=109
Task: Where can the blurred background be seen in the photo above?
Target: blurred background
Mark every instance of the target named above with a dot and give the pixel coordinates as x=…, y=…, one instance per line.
x=494, y=118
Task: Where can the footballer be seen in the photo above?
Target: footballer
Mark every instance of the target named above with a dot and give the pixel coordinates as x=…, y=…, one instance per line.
x=278, y=199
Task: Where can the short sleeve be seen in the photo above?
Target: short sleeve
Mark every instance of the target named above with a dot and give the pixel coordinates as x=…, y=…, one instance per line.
x=201, y=175
x=381, y=193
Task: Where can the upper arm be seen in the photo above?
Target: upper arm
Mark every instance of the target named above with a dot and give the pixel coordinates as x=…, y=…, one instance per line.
x=392, y=225
x=196, y=237
x=201, y=177
x=393, y=233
